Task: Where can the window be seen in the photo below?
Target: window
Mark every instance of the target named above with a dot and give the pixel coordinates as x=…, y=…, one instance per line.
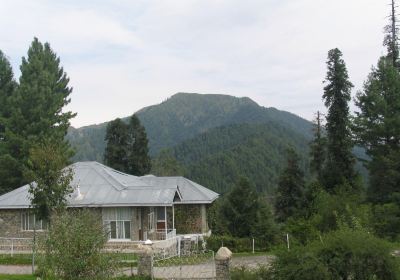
x=28, y=221
x=118, y=222
x=160, y=214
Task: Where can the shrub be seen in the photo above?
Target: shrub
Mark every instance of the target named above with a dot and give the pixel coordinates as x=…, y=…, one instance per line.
x=72, y=249
x=343, y=254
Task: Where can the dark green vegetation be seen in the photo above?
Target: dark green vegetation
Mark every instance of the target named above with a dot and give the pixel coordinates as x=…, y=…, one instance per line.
x=72, y=249
x=33, y=112
x=127, y=147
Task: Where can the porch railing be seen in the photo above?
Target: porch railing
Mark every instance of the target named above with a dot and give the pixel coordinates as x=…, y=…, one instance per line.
x=161, y=234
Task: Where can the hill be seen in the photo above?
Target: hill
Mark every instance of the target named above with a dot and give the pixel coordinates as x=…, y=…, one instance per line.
x=218, y=157
x=184, y=116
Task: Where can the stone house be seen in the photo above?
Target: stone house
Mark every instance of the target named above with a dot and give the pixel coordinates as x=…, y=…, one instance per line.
x=131, y=208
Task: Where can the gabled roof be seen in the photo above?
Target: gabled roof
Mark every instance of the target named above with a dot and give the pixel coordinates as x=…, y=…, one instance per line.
x=97, y=185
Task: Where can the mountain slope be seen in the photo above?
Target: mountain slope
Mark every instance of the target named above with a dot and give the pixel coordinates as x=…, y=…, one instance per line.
x=220, y=156
x=182, y=117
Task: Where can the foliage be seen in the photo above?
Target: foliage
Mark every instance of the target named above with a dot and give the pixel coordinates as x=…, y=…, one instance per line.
x=7, y=89
x=378, y=129
x=165, y=164
x=116, y=151
x=342, y=254
x=51, y=179
x=386, y=220
x=139, y=162
x=290, y=192
x=318, y=148
x=340, y=161
x=72, y=249
x=243, y=273
x=36, y=112
x=127, y=147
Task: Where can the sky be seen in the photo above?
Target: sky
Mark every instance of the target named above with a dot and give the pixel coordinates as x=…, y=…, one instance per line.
x=124, y=55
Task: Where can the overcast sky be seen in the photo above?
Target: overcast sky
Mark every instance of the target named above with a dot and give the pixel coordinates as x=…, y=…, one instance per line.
x=125, y=55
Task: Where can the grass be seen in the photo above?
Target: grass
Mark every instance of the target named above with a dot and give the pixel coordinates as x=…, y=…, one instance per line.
x=250, y=254
x=20, y=259
x=17, y=277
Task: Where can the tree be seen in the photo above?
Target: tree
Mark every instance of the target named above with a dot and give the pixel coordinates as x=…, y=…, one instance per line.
x=377, y=126
x=139, y=162
x=290, y=192
x=73, y=248
x=165, y=164
x=8, y=171
x=317, y=148
x=37, y=111
x=240, y=208
x=116, y=152
x=51, y=180
x=391, y=37
x=339, y=167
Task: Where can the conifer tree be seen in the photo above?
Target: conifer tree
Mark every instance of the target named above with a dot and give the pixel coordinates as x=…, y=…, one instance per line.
x=391, y=37
x=339, y=167
x=8, y=165
x=377, y=126
x=116, y=151
x=36, y=112
x=317, y=148
x=139, y=162
x=290, y=192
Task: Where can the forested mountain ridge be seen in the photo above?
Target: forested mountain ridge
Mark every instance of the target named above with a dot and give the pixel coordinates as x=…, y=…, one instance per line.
x=182, y=117
x=220, y=156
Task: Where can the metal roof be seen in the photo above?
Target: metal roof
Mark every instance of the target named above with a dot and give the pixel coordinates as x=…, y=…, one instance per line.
x=96, y=185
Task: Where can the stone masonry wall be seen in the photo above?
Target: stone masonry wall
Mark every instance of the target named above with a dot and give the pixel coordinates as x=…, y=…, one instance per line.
x=188, y=218
x=11, y=224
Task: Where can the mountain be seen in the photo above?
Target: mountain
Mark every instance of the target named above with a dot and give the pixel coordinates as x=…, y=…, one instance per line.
x=220, y=156
x=184, y=116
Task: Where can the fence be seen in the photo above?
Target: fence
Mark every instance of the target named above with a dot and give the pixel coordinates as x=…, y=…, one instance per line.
x=16, y=245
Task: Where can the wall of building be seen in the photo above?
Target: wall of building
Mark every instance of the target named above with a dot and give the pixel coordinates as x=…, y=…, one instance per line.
x=190, y=218
x=11, y=224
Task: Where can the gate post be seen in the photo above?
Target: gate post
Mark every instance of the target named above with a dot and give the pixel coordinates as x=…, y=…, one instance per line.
x=145, y=260
x=222, y=263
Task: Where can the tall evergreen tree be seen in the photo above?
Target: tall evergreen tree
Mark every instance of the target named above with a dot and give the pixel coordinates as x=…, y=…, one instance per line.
x=378, y=129
x=8, y=165
x=318, y=148
x=290, y=192
x=36, y=112
x=240, y=209
x=139, y=162
x=391, y=37
x=116, y=152
x=339, y=167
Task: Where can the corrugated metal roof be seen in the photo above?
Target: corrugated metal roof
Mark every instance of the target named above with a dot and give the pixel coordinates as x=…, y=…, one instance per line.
x=97, y=185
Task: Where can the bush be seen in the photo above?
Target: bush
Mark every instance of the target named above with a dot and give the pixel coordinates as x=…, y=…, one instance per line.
x=343, y=254
x=72, y=249
x=237, y=245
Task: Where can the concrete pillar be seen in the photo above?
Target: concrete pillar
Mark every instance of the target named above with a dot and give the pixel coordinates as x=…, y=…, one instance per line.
x=203, y=213
x=222, y=263
x=145, y=261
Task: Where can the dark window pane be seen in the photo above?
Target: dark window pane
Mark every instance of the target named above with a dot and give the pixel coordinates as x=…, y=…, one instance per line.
x=127, y=226
x=113, y=226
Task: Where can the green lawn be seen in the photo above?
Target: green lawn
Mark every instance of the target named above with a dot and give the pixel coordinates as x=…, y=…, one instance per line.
x=17, y=277
x=16, y=259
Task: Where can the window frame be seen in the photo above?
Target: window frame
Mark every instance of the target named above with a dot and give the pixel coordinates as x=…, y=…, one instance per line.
x=25, y=221
x=120, y=227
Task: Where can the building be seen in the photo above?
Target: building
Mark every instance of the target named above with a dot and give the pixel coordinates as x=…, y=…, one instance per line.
x=131, y=208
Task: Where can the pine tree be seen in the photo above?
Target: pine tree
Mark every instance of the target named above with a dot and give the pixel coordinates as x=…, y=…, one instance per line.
x=116, y=151
x=139, y=162
x=377, y=126
x=36, y=112
x=240, y=209
x=317, y=148
x=7, y=89
x=165, y=164
x=391, y=37
x=290, y=192
x=339, y=167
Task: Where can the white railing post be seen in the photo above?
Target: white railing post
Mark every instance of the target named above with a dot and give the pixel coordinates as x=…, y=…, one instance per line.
x=12, y=247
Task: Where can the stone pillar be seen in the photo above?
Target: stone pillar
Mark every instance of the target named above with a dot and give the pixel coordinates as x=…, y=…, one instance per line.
x=222, y=263
x=145, y=261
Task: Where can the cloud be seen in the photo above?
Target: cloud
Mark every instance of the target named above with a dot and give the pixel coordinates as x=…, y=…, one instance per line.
x=123, y=55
